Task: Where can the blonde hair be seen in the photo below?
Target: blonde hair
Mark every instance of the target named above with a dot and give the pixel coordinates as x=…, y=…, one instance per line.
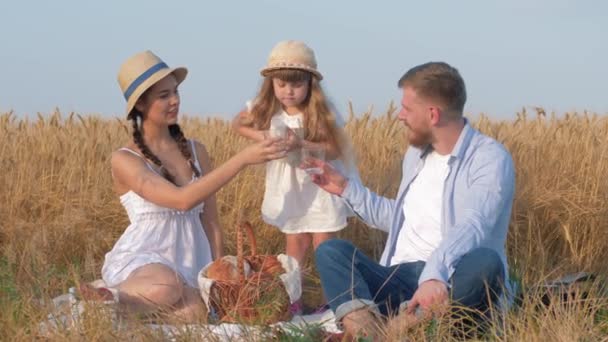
x=319, y=117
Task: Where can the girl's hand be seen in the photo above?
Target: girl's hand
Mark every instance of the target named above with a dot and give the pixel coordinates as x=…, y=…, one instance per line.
x=263, y=151
x=293, y=141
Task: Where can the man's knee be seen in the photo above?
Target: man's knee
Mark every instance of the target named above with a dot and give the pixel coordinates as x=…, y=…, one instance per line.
x=478, y=274
x=333, y=249
x=486, y=262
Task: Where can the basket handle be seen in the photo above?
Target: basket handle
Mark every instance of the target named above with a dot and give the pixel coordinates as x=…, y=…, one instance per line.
x=239, y=246
x=253, y=246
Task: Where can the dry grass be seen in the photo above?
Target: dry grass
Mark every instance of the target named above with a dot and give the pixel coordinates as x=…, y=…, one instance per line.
x=58, y=215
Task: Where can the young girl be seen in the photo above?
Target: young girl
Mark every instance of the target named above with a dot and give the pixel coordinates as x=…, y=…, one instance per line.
x=167, y=186
x=291, y=99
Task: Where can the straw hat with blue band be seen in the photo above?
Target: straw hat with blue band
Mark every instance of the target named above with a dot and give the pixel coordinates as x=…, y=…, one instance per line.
x=141, y=71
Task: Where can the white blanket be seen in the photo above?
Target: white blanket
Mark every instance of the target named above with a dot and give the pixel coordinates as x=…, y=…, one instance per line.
x=68, y=311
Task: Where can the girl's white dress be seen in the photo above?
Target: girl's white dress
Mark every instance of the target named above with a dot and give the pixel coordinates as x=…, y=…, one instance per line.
x=292, y=202
x=158, y=235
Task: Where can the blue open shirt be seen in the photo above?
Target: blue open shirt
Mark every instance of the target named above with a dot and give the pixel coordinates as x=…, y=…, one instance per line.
x=476, y=208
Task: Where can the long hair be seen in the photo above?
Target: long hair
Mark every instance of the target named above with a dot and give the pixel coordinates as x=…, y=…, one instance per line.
x=319, y=117
x=176, y=134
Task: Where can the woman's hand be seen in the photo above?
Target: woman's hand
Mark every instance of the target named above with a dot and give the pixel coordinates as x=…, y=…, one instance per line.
x=263, y=151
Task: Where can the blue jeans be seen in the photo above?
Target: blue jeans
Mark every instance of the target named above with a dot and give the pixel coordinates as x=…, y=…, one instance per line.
x=352, y=281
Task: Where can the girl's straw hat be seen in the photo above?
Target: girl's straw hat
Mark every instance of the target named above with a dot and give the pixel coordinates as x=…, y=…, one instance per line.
x=292, y=54
x=142, y=71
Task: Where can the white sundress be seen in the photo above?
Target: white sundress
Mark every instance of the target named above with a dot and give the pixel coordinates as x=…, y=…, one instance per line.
x=158, y=235
x=292, y=202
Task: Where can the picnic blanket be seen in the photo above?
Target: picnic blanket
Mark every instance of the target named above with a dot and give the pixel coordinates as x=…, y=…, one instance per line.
x=67, y=313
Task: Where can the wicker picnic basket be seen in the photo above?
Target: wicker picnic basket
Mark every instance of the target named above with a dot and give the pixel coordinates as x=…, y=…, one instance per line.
x=253, y=289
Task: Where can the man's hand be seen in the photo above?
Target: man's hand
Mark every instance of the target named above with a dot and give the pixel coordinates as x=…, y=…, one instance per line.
x=330, y=179
x=431, y=296
x=429, y=300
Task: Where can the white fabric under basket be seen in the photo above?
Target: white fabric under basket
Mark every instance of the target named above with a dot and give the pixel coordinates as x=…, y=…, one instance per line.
x=291, y=279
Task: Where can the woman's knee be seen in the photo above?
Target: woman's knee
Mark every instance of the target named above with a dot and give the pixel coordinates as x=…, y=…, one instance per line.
x=166, y=291
x=155, y=285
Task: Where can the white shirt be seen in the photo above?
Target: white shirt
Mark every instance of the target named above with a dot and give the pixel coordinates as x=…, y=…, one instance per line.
x=421, y=231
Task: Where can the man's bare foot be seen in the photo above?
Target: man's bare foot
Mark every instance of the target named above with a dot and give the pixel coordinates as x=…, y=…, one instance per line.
x=362, y=323
x=89, y=292
x=399, y=325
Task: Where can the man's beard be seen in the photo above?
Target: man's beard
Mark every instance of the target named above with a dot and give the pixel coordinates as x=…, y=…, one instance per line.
x=419, y=138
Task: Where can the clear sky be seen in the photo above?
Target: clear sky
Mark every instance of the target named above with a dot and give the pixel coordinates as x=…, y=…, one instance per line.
x=66, y=53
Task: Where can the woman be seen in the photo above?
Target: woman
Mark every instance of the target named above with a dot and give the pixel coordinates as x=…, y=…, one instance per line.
x=167, y=186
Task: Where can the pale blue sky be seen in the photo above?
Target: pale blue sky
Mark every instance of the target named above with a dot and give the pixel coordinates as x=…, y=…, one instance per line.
x=66, y=53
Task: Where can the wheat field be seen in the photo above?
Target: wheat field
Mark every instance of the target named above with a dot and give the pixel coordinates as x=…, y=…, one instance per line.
x=59, y=216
